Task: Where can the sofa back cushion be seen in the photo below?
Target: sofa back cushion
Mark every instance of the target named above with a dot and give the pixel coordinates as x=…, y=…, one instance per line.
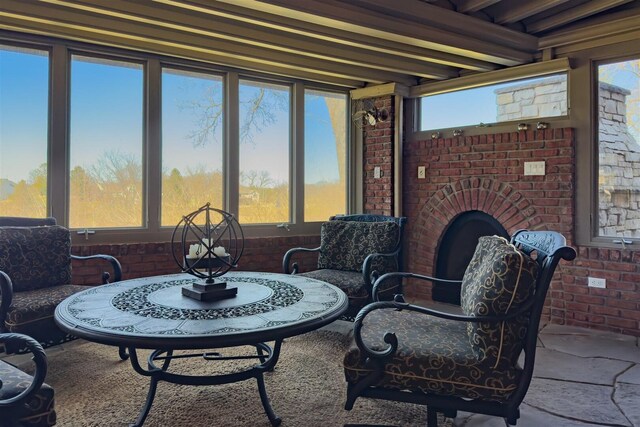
x=498, y=280
x=36, y=257
x=345, y=244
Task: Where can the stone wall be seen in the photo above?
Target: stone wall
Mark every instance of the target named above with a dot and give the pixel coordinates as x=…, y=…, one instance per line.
x=619, y=162
x=619, y=156
x=547, y=98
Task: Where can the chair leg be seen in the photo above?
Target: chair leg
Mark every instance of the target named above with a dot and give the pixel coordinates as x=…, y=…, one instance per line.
x=432, y=417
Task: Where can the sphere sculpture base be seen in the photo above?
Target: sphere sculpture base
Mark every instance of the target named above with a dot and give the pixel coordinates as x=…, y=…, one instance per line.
x=203, y=291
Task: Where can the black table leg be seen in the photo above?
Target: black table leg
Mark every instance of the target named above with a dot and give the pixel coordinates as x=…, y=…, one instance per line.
x=275, y=420
x=144, y=412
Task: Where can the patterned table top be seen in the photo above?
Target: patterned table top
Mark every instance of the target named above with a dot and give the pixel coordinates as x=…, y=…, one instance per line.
x=152, y=312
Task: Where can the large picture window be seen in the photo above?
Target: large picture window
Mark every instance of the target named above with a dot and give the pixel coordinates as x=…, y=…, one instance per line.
x=106, y=140
x=516, y=100
x=138, y=140
x=619, y=149
x=24, y=112
x=265, y=137
x=192, y=139
x=325, y=151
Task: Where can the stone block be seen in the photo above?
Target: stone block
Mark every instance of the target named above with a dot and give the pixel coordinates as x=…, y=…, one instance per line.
x=505, y=98
x=524, y=94
x=530, y=111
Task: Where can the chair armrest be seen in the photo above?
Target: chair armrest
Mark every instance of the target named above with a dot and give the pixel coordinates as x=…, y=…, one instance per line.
x=40, y=360
x=370, y=276
x=287, y=258
x=117, y=269
x=6, y=297
x=378, y=281
x=399, y=304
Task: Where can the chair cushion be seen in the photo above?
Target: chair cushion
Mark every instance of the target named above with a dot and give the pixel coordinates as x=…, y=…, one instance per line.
x=351, y=283
x=35, y=257
x=434, y=356
x=30, y=306
x=498, y=280
x=38, y=411
x=345, y=244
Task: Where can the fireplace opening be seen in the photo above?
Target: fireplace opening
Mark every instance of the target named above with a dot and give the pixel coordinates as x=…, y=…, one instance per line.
x=456, y=250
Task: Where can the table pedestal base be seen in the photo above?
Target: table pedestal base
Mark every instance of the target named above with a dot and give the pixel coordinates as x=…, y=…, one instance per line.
x=267, y=356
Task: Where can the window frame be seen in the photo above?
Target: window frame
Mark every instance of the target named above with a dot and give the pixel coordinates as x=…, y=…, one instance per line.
x=504, y=123
x=60, y=52
x=586, y=121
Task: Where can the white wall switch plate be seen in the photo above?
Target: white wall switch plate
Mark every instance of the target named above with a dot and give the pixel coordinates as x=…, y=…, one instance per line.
x=596, y=282
x=422, y=172
x=376, y=172
x=534, y=168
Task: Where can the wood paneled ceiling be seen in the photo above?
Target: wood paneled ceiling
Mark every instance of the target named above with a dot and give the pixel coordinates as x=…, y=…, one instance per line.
x=350, y=43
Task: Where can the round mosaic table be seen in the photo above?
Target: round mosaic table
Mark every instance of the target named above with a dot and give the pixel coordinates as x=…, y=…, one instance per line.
x=152, y=313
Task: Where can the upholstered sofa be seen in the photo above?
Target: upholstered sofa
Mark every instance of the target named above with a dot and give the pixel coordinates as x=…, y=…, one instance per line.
x=354, y=250
x=25, y=400
x=35, y=276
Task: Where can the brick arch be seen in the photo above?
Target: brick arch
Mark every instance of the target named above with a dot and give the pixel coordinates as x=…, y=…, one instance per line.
x=500, y=200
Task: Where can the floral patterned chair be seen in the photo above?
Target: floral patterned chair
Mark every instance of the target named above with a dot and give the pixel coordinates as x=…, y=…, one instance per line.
x=354, y=251
x=25, y=400
x=469, y=361
x=35, y=276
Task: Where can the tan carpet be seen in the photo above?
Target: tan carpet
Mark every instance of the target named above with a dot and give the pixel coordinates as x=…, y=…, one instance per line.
x=94, y=388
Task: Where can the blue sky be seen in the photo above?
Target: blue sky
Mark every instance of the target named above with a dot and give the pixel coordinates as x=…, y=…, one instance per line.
x=106, y=115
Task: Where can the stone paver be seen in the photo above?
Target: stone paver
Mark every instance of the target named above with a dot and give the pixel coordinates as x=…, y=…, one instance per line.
x=553, y=329
x=585, y=402
x=529, y=417
x=593, y=346
x=627, y=396
x=632, y=376
x=562, y=366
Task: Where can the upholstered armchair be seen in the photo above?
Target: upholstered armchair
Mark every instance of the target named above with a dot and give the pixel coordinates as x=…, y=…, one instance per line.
x=465, y=361
x=354, y=251
x=35, y=276
x=25, y=400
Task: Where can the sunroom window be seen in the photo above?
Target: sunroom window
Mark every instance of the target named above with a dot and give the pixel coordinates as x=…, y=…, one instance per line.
x=24, y=112
x=534, y=98
x=619, y=149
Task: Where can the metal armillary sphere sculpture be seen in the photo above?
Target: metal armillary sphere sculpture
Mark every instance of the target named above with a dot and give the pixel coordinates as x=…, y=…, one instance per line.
x=218, y=245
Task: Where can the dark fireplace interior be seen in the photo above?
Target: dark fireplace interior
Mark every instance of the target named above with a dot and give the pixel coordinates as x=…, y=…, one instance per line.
x=456, y=250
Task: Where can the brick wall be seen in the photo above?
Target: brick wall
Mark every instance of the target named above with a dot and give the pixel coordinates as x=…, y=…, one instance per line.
x=486, y=173
x=147, y=259
x=378, y=151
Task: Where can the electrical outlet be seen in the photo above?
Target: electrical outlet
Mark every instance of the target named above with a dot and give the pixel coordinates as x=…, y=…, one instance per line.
x=376, y=172
x=596, y=282
x=422, y=172
x=534, y=168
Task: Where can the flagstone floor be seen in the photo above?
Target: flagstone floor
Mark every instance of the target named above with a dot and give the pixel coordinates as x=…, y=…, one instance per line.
x=582, y=378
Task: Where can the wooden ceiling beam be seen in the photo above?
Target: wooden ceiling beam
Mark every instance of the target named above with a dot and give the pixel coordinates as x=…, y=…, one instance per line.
x=345, y=16
x=524, y=9
x=100, y=30
x=300, y=28
x=467, y=6
x=575, y=13
x=449, y=20
x=227, y=29
x=621, y=22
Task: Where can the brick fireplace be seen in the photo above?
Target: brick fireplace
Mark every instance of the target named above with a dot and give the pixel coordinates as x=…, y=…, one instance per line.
x=486, y=173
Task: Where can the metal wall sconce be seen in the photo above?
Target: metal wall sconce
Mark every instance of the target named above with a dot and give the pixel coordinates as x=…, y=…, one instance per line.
x=523, y=126
x=435, y=135
x=542, y=125
x=458, y=132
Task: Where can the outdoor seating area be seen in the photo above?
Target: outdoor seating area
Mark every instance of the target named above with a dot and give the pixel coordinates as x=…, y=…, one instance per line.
x=343, y=213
